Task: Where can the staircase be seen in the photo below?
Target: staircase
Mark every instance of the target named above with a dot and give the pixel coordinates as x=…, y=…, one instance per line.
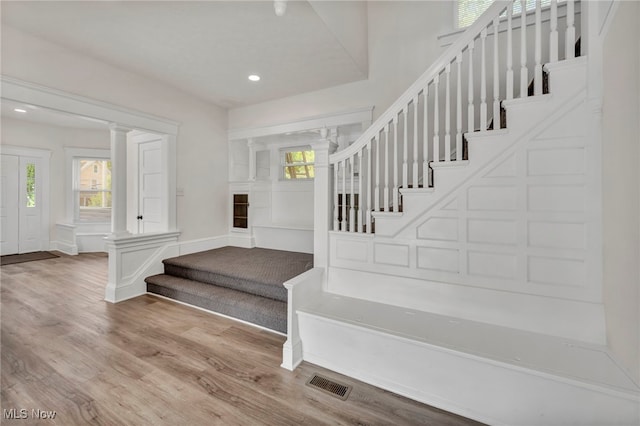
x=466, y=275
x=245, y=284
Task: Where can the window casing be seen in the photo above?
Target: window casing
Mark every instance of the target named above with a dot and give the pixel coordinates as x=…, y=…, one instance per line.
x=92, y=189
x=297, y=163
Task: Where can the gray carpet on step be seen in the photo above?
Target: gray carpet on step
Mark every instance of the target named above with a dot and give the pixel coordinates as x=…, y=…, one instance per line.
x=263, y=311
x=257, y=271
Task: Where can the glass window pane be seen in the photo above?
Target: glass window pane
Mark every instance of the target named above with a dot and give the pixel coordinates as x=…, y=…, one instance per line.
x=31, y=185
x=95, y=206
x=94, y=175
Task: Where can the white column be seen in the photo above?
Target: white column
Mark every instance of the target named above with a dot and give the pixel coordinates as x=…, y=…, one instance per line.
x=118, y=180
x=322, y=202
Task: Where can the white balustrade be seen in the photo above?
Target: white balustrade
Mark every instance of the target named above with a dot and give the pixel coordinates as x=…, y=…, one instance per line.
x=396, y=151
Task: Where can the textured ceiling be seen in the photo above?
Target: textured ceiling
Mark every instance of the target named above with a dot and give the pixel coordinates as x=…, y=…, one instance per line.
x=206, y=48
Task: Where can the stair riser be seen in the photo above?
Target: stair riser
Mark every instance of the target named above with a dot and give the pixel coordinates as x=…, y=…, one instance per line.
x=266, y=318
x=273, y=292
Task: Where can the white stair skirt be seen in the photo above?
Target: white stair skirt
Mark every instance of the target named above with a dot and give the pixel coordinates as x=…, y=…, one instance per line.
x=488, y=373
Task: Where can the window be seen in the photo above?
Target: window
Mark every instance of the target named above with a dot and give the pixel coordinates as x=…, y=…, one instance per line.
x=298, y=164
x=31, y=185
x=92, y=189
x=470, y=10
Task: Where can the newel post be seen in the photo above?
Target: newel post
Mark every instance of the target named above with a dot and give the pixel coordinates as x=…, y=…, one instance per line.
x=322, y=200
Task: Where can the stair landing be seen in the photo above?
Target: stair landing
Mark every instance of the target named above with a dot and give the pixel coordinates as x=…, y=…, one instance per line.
x=246, y=284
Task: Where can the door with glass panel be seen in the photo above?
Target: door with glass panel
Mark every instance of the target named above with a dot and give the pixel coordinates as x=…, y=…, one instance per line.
x=21, y=218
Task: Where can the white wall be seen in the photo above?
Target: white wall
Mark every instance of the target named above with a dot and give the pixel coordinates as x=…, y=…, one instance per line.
x=402, y=44
x=621, y=185
x=34, y=135
x=202, y=139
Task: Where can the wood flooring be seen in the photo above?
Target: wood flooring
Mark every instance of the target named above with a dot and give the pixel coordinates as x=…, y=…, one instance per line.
x=149, y=361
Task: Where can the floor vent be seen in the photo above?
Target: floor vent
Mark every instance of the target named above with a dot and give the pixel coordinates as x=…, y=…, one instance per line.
x=329, y=386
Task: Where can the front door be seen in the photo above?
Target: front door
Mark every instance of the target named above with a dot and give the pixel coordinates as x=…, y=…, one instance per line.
x=21, y=209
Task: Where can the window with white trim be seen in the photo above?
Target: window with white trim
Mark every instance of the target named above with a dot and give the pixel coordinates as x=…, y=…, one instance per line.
x=92, y=189
x=467, y=11
x=297, y=163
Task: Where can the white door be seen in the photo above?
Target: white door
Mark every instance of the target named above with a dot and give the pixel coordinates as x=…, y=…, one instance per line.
x=9, y=204
x=21, y=210
x=150, y=187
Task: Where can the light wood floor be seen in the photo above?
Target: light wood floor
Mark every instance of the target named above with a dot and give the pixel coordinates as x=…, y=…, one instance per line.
x=152, y=361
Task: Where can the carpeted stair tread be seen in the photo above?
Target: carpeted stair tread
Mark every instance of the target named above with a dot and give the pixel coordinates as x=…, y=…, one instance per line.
x=263, y=311
x=257, y=271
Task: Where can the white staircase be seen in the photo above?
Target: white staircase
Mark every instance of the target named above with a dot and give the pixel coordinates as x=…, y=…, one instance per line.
x=473, y=282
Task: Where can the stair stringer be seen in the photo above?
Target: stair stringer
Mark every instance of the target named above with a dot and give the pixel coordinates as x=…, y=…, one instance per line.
x=515, y=244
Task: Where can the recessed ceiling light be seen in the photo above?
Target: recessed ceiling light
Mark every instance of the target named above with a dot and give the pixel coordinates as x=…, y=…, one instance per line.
x=19, y=110
x=254, y=77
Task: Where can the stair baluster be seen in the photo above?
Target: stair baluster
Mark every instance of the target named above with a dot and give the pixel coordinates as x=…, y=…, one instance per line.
x=570, y=35
x=359, y=205
x=483, y=81
x=336, y=223
x=352, y=199
x=396, y=205
x=376, y=198
x=470, y=110
x=425, y=147
x=447, y=115
x=405, y=149
x=509, y=77
x=537, y=71
x=553, y=36
x=436, y=120
x=415, y=142
x=386, y=168
x=369, y=166
x=496, y=75
x=458, y=110
x=524, y=73
x=344, y=195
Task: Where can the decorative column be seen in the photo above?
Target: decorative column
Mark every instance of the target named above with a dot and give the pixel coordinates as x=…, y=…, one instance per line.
x=118, y=180
x=322, y=200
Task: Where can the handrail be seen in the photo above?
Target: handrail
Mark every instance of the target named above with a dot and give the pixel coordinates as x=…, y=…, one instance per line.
x=416, y=88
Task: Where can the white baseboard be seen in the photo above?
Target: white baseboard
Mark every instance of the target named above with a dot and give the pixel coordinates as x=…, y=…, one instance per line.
x=66, y=248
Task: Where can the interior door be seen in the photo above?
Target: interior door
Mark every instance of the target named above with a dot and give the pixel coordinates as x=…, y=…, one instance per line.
x=150, y=187
x=9, y=204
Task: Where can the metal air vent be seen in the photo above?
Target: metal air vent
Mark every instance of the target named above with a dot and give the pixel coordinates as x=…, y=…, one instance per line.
x=329, y=386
